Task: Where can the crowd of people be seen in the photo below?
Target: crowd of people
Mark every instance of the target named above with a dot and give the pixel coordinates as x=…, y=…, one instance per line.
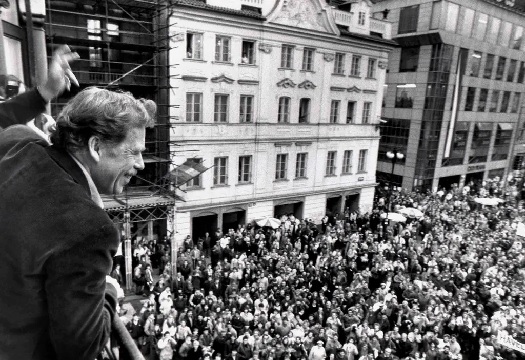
x=358, y=286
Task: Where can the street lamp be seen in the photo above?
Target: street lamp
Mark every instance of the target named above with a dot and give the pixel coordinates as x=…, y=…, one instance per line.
x=393, y=156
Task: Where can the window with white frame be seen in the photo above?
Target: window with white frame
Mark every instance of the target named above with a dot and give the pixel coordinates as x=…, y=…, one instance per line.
x=281, y=167
x=347, y=162
x=371, y=70
x=304, y=110
x=361, y=165
x=367, y=112
x=196, y=181
x=339, y=63
x=334, y=111
x=350, y=112
x=248, y=52
x=362, y=18
x=308, y=59
x=284, y=110
x=355, y=69
x=300, y=165
x=220, y=171
x=287, y=56
x=193, y=107
x=245, y=169
x=95, y=52
x=246, y=108
x=194, y=45
x=222, y=48
x=330, y=163
x=221, y=108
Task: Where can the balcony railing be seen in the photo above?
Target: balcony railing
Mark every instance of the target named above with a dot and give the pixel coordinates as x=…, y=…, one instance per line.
x=343, y=18
x=381, y=27
x=256, y=3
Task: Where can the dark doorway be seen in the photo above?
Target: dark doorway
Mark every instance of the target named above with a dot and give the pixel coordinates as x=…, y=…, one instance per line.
x=333, y=205
x=477, y=178
x=232, y=220
x=202, y=225
x=352, y=202
x=446, y=182
x=286, y=209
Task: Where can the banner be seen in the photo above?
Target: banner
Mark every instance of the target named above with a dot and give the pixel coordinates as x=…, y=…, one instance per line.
x=508, y=341
x=187, y=171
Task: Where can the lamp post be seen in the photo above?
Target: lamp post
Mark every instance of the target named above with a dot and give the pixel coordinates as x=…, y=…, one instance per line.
x=393, y=156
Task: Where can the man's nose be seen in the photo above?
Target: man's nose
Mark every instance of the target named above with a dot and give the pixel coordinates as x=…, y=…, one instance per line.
x=139, y=164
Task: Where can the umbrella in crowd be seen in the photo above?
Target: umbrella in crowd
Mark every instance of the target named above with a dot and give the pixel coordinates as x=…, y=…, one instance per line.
x=394, y=217
x=269, y=221
x=488, y=201
x=411, y=212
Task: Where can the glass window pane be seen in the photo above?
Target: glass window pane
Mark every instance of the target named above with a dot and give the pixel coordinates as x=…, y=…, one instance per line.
x=465, y=21
x=504, y=35
x=517, y=38
x=480, y=27
x=493, y=33
x=475, y=62
x=436, y=14
x=489, y=64
x=452, y=17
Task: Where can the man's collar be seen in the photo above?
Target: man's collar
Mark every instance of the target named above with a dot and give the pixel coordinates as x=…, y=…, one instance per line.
x=95, y=196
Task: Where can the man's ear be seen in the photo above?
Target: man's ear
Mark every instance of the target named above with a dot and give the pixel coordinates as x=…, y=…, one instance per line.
x=94, y=148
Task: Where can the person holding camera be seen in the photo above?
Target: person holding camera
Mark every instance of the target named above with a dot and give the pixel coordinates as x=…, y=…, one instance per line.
x=166, y=344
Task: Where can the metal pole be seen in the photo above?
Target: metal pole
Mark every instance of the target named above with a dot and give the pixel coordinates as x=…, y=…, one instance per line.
x=174, y=248
x=30, y=46
x=127, y=251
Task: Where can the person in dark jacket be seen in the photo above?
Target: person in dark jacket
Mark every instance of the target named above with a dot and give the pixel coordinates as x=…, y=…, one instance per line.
x=57, y=241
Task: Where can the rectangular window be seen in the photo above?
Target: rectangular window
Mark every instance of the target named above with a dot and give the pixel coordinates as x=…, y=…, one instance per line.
x=367, y=112
x=221, y=108
x=355, y=70
x=281, y=166
x=350, y=112
x=475, y=63
x=469, y=102
x=339, y=64
x=521, y=73
x=304, y=110
x=245, y=169
x=347, y=162
x=287, y=56
x=371, y=70
x=492, y=36
x=220, y=171
x=95, y=52
x=300, y=165
x=436, y=14
x=194, y=107
x=483, y=96
x=246, y=108
x=409, y=59
x=196, y=181
x=494, y=101
x=248, y=52
x=361, y=20
x=452, y=17
x=284, y=110
x=517, y=38
x=465, y=22
x=505, y=100
x=334, y=111
x=408, y=19
x=308, y=59
x=512, y=70
x=502, y=61
x=330, y=163
x=222, y=48
x=194, y=46
x=504, y=35
x=113, y=29
x=515, y=102
x=480, y=26
x=361, y=165
x=489, y=65
x=405, y=94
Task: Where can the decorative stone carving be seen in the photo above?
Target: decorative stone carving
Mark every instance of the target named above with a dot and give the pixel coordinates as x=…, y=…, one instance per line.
x=354, y=89
x=337, y=88
x=265, y=48
x=248, y=82
x=194, y=78
x=382, y=64
x=328, y=57
x=222, y=78
x=307, y=85
x=300, y=13
x=286, y=83
x=366, y=91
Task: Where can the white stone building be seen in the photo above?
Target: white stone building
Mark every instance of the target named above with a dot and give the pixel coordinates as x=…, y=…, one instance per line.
x=283, y=99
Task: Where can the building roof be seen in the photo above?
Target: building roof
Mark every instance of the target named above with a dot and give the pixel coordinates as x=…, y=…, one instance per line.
x=374, y=38
x=201, y=4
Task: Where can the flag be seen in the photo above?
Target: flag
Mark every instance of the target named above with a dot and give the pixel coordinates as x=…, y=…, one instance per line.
x=187, y=171
x=455, y=105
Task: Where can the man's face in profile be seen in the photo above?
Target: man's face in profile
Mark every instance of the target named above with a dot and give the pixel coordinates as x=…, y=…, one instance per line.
x=118, y=163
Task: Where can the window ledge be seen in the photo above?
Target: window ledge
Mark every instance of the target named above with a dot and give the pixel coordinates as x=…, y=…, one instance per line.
x=362, y=172
x=280, y=180
x=194, y=60
x=248, y=65
x=301, y=178
x=229, y=63
x=244, y=183
x=194, y=188
x=339, y=74
x=355, y=76
x=220, y=186
x=307, y=71
x=284, y=68
x=346, y=174
x=330, y=175
x=370, y=78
